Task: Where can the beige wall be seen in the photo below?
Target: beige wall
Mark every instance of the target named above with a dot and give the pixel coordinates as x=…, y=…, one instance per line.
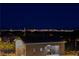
x=30, y=47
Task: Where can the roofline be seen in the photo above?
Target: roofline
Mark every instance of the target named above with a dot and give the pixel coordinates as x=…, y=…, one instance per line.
x=47, y=42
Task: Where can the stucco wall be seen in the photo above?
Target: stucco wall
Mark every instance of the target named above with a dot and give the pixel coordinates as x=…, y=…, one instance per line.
x=34, y=49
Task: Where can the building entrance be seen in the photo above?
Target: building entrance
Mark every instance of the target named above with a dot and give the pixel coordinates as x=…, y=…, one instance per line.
x=52, y=50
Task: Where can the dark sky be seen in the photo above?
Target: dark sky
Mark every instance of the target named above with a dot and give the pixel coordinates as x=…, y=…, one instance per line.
x=59, y=16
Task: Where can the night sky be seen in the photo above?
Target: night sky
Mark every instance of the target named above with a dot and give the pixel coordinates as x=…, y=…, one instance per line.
x=58, y=16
